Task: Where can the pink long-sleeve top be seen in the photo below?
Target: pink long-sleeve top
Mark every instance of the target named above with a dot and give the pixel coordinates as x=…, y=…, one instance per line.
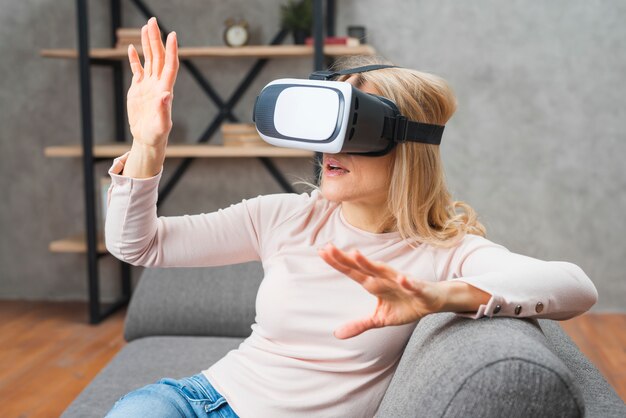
x=291, y=364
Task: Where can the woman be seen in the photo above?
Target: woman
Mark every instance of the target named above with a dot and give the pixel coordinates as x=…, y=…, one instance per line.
x=387, y=223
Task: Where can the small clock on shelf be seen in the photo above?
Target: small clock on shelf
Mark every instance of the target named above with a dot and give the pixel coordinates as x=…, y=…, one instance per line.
x=236, y=33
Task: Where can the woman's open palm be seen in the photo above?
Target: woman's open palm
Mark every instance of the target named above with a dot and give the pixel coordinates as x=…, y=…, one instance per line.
x=400, y=300
x=149, y=99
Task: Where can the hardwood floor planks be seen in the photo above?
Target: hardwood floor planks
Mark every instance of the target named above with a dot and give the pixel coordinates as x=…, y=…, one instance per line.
x=49, y=353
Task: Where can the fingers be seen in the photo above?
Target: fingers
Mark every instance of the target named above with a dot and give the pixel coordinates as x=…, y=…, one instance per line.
x=376, y=278
x=171, y=62
x=156, y=46
x=358, y=262
x=135, y=64
x=147, y=51
x=337, y=260
x=355, y=328
x=416, y=288
x=405, y=283
x=343, y=259
x=372, y=268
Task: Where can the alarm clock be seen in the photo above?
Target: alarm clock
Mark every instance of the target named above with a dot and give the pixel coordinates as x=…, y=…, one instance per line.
x=236, y=32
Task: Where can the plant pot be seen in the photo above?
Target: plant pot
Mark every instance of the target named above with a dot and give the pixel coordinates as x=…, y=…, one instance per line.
x=300, y=35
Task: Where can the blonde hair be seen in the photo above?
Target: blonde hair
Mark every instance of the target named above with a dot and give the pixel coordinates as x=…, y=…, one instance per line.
x=420, y=205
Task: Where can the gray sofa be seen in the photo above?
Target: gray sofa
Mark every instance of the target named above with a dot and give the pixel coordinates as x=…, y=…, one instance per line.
x=182, y=320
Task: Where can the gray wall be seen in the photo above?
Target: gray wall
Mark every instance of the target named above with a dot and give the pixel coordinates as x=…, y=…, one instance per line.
x=536, y=145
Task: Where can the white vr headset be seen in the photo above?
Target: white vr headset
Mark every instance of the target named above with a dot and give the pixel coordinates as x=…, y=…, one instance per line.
x=333, y=116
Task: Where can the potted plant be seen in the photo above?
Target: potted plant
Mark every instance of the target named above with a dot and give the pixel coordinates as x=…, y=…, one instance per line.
x=297, y=16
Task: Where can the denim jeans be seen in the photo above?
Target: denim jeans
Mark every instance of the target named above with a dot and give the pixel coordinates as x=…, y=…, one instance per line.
x=191, y=396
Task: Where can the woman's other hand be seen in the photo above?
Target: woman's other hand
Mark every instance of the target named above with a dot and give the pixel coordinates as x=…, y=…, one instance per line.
x=149, y=99
x=400, y=300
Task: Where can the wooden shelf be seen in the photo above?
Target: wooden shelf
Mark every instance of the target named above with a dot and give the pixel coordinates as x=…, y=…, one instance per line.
x=254, y=51
x=182, y=151
x=75, y=244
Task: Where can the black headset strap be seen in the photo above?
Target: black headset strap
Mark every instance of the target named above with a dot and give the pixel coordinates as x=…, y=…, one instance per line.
x=399, y=129
x=330, y=74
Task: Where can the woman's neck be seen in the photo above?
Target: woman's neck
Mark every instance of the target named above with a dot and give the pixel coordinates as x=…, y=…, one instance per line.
x=368, y=217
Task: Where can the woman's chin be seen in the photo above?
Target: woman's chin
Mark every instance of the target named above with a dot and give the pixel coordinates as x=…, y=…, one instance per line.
x=331, y=193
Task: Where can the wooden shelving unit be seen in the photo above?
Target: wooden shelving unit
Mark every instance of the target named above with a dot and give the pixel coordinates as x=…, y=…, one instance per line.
x=91, y=243
x=114, y=150
x=254, y=51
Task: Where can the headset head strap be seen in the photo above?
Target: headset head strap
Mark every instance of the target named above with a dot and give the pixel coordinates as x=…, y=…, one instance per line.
x=326, y=75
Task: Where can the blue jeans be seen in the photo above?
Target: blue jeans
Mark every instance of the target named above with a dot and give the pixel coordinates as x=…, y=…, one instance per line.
x=192, y=396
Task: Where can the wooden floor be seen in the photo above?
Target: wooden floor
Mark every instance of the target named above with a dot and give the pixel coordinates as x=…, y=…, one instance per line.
x=48, y=352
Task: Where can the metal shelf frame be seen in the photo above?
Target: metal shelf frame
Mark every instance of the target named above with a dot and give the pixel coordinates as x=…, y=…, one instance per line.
x=98, y=312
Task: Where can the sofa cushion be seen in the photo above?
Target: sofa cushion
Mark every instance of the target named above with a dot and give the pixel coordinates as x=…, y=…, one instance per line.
x=215, y=301
x=145, y=361
x=490, y=367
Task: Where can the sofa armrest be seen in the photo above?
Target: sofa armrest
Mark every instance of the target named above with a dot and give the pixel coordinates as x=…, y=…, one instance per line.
x=490, y=367
x=207, y=301
x=601, y=400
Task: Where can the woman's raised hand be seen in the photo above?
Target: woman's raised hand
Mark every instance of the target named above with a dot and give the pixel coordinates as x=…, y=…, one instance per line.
x=149, y=99
x=400, y=300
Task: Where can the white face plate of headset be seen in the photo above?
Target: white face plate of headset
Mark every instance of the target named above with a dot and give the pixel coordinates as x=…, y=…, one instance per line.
x=313, y=119
x=310, y=114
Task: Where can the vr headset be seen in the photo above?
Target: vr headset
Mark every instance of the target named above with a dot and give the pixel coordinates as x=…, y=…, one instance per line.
x=328, y=116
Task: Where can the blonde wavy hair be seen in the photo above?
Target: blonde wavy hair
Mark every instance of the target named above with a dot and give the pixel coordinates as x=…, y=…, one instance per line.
x=420, y=205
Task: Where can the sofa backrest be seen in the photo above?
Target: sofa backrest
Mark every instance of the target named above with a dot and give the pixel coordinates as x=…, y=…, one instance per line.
x=216, y=301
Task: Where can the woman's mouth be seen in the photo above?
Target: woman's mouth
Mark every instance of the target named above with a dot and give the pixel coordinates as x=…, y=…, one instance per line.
x=333, y=167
